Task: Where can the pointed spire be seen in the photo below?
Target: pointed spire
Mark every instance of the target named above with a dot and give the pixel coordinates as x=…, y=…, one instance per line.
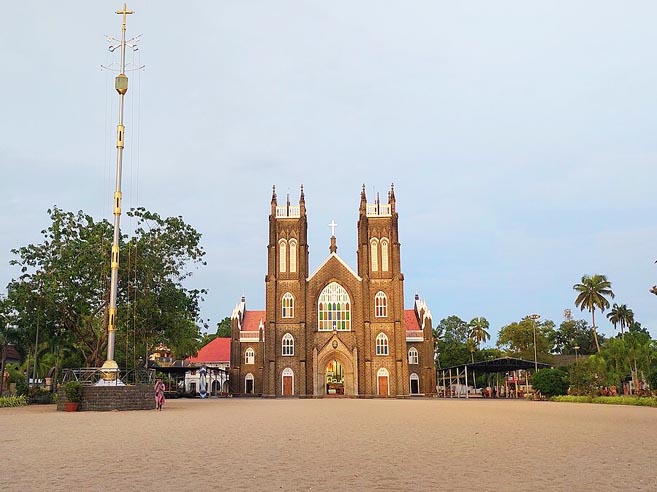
x=302, y=198
x=288, y=200
x=392, y=192
x=362, y=193
x=273, y=195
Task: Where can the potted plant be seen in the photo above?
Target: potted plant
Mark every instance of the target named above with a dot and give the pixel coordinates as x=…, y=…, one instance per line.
x=73, y=392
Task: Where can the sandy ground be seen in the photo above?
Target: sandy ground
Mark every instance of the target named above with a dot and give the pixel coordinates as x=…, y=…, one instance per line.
x=332, y=444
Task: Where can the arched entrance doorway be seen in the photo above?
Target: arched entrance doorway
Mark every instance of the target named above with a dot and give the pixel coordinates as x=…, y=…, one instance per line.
x=334, y=378
x=335, y=368
x=383, y=388
x=288, y=382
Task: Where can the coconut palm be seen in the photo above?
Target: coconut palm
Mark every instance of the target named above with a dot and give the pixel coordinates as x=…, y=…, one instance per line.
x=478, y=327
x=472, y=346
x=592, y=292
x=621, y=316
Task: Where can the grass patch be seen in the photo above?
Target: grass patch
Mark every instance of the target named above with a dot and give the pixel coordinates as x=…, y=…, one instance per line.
x=13, y=401
x=638, y=401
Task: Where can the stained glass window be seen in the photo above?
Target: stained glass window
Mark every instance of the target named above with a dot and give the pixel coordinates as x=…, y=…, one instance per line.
x=287, y=306
x=334, y=309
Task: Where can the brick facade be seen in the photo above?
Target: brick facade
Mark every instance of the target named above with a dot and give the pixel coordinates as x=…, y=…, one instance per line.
x=366, y=372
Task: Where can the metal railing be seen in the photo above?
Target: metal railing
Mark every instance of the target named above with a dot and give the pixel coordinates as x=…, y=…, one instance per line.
x=89, y=376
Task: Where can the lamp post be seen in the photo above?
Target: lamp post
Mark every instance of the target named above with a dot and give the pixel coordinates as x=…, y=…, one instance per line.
x=576, y=347
x=534, y=317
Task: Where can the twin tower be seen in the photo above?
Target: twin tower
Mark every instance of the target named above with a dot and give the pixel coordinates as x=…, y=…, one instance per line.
x=334, y=331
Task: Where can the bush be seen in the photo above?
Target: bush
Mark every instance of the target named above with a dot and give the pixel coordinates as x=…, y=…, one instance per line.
x=13, y=401
x=22, y=387
x=550, y=382
x=39, y=395
x=609, y=400
x=73, y=391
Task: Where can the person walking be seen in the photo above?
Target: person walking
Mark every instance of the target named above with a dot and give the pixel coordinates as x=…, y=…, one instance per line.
x=159, y=394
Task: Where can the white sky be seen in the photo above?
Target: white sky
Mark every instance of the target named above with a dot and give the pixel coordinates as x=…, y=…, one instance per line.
x=520, y=137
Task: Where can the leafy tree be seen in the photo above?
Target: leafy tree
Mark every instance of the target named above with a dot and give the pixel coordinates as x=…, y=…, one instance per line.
x=575, y=333
x=621, y=316
x=517, y=339
x=592, y=294
x=451, y=336
x=550, y=382
x=223, y=328
x=64, y=286
x=589, y=375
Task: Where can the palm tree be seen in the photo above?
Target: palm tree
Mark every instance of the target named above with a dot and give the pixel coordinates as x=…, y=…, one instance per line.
x=472, y=346
x=591, y=294
x=621, y=315
x=478, y=327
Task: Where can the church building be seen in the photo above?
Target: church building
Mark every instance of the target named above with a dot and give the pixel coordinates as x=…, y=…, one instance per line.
x=334, y=331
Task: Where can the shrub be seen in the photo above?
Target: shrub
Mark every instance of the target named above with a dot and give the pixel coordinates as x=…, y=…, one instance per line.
x=39, y=395
x=22, y=387
x=73, y=391
x=609, y=400
x=13, y=401
x=550, y=382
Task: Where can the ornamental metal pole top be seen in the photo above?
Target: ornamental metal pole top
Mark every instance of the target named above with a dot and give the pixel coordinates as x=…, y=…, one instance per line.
x=124, y=12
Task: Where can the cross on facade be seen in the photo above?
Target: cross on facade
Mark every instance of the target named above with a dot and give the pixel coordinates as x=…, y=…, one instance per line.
x=332, y=225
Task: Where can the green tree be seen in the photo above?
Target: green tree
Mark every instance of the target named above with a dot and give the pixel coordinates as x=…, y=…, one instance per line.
x=517, y=339
x=223, y=328
x=550, y=382
x=64, y=286
x=621, y=316
x=574, y=333
x=592, y=293
x=590, y=374
x=451, y=337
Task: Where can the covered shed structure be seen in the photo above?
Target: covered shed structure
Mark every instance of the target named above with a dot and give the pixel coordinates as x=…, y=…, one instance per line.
x=453, y=381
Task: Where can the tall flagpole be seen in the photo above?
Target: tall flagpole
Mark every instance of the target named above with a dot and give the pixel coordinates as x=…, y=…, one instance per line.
x=110, y=367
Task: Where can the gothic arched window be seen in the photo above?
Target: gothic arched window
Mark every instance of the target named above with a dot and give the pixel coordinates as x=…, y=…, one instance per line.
x=293, y=255
x=334, y=309
x=381, y=344
x=374, y=252
x=384, y=255
x=287, y=306
x=249, y=356
x=282, y=255
x=288, y=344
x=380, y=305
x=413, y=357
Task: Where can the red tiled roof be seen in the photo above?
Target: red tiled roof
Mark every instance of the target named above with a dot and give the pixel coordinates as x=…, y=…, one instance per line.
x=410, y=320
x=251, y=320
x=218, y=350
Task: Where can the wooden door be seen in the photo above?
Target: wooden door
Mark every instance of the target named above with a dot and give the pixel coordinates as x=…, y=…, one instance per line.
x=287, y=385
x=383, y=385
